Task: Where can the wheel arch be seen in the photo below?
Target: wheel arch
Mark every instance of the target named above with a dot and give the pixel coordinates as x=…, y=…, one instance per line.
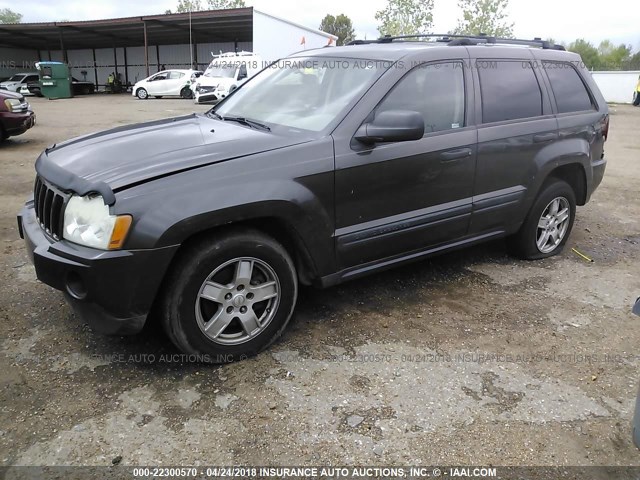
x=276, y=227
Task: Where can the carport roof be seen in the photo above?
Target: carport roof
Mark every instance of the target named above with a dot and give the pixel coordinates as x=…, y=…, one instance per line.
x=207, y=26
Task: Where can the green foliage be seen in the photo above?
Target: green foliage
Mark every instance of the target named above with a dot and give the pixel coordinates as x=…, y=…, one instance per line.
x=185, y=6
x=589, y=53
x=606, y=56
x=612, y=57
x=222, y=4
x=406, y=17
x=484, y=16
x=339, y=26
x=9, y=16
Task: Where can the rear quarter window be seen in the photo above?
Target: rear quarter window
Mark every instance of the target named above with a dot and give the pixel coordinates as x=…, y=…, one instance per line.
x=509, y=89
x=568, y=88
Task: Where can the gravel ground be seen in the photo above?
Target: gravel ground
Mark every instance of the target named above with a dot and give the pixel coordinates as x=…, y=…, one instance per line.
x=469, y=358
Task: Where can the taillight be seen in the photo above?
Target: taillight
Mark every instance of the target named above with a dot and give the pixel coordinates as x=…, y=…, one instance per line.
x=605, y=128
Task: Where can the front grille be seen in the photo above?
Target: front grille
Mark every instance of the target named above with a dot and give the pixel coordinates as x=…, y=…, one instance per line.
x=49, y=204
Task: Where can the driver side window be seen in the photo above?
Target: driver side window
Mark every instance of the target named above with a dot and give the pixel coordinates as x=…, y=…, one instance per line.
x=436, y=91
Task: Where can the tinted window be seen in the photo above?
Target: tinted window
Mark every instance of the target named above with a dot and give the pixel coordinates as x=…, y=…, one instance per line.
x=568, y=88
x=436, y=91
x=510, y=90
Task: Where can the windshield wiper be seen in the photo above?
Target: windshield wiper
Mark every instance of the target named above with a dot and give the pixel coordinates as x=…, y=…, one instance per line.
x=214, y=114
x=245, y=121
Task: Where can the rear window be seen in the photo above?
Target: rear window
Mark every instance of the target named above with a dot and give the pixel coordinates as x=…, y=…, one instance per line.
x=510, y=90
x=568, y=88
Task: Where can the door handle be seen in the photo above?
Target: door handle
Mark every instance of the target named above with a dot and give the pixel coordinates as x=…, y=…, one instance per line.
x=544, y=137
x=455, y=154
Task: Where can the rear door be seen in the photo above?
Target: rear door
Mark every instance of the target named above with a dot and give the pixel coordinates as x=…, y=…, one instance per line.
x=395, y=198
x=515, y=122
x=174, y=83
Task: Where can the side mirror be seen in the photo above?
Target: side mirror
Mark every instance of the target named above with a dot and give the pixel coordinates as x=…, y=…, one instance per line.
x=392, y=126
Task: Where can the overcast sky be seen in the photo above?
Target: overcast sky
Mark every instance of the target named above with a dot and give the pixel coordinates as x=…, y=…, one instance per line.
x=563, y=20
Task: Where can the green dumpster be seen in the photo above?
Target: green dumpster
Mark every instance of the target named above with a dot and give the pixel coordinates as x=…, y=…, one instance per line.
x=55, y=79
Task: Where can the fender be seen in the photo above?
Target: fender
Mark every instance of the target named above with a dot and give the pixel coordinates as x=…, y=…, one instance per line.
x=558, y=154
x=281, y=185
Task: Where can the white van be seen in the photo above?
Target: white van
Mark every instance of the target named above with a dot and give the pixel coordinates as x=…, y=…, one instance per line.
x=224, y=74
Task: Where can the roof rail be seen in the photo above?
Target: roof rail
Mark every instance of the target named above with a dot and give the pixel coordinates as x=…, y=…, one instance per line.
x=453, y=40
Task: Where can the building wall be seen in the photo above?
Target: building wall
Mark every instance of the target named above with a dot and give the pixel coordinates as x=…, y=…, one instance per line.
x=616, y=87
x=17, y=60
x=275, y=38
x=169, y=56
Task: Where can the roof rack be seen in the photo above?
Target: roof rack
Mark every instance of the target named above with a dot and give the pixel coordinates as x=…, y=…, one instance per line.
x=453, y=40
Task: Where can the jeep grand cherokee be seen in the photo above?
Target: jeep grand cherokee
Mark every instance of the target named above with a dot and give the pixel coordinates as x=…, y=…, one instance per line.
x=329, y=165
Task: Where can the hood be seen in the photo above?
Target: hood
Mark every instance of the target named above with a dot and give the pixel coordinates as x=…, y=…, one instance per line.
x=9, y=94
x=214, y=81
x=133, y=154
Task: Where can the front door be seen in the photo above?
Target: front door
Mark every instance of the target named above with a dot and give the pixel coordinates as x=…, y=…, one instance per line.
x=395, y=198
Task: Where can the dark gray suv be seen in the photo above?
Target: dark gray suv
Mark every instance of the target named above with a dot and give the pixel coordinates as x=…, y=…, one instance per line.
x=326, y=166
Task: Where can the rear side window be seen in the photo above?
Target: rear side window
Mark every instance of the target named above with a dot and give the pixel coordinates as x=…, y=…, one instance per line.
x=436, y=91
x=510, y=90
x=568, y=88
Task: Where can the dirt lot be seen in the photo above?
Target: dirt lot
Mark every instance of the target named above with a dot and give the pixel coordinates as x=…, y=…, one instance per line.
x=470, y=358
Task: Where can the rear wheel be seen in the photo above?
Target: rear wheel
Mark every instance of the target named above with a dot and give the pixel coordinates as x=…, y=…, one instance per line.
x=229, y=297
x=142, y=94
x=186, y=93
x=548, y=225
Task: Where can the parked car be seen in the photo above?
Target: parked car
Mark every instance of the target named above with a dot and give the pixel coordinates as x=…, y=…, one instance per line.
x=80, y=87
x=15, y=82
x=16, y=116
x=164, y=84
x=339, y=163
x=225, y=73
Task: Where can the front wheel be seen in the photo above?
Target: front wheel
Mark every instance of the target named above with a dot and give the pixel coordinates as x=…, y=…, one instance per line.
x=142, y=94
x=229, y=297
x=548, y=225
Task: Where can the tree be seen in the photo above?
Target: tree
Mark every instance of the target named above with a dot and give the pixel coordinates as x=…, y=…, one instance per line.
x=339, y=26
x=589, y=53
x=484, y=16
x=9, y=16
x=612, y=57
x=406, y=17
x=185, y=6
x=222, y=4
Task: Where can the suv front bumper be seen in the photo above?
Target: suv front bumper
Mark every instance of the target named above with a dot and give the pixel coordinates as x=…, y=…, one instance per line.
x=112, y=291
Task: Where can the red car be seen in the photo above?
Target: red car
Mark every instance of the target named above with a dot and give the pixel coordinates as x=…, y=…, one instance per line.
x=16, y=116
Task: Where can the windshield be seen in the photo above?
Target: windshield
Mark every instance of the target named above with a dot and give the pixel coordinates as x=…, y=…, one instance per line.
x=16, y=78
x=218, y=71
x=301, y=93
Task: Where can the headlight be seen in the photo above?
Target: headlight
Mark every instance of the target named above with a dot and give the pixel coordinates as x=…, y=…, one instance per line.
x=87, y=222
x=13, y=104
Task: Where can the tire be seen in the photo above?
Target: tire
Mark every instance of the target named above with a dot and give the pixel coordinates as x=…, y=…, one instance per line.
x=142, y=94
x=186, y=93
x=236, y=325
x=529, y=243
x=636, y=99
